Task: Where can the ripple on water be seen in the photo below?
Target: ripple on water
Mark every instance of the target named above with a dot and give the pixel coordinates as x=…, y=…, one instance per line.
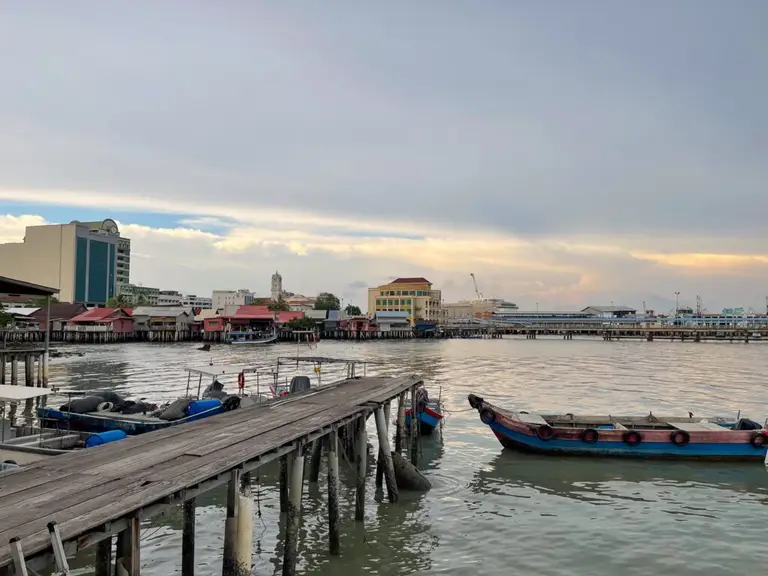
x=490, y=511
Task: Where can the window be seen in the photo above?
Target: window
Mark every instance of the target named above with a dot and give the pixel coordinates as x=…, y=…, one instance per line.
x=378, y=302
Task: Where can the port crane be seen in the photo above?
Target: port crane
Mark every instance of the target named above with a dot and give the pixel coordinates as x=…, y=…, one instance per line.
x=474, y=281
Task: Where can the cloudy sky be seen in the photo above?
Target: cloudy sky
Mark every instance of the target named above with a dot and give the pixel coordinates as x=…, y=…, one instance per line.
x=567, y=153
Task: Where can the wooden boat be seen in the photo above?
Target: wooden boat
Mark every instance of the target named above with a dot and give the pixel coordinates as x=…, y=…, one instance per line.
x=429, y=413
x=630, y=436
x=429, y=417
x=247, y=338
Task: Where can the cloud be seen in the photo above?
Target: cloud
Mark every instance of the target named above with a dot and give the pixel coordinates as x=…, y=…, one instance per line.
x=563, y=158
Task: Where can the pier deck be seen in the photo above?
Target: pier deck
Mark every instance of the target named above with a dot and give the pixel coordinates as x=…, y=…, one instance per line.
x=96, y=493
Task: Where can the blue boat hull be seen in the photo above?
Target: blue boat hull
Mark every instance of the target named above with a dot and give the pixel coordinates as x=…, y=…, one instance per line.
x=51, y=418
x=663, y=450
x=429, y=419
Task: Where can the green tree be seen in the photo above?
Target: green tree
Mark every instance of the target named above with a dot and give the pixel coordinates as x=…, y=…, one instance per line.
x=279, y=305
x=42, y=301
x=119, y=301
x=301, y=324
x=5, y=318
x=353, y=310
x=327, y=301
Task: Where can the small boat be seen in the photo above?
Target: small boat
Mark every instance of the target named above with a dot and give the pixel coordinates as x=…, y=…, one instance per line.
x=629, y=436
x=249, y=338
x=104, y=410
x=429, y=413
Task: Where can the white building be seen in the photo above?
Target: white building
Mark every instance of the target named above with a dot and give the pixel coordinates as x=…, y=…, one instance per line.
x=169, y=298
x=277, y=286
x=222, y=298
x=192, y=301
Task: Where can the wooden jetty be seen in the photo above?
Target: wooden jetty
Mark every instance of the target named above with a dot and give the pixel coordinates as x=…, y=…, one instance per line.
x=31, y=360
x=58, y=506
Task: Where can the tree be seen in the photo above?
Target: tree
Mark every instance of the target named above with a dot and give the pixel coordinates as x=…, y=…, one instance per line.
x=42, y=301
x=119, y=301
x=327, y=301
x=301, y=324
x=278, y=305
x=5, y=318
x=353, y=310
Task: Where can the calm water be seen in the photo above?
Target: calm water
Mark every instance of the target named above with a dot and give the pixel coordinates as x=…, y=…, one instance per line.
x=491, y=511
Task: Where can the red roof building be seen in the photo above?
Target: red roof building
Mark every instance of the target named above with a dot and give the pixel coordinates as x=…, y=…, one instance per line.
x=110, y=319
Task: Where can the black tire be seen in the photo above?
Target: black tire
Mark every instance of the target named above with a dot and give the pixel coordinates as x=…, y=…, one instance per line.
x=545, y=432
x=632, y=438
x=487, y=416
x=759, y=440
x=680, y=437
x=590, y=436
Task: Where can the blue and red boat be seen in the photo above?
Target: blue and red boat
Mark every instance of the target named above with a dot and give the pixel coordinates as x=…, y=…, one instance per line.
x=629, y=436
x=429, y=413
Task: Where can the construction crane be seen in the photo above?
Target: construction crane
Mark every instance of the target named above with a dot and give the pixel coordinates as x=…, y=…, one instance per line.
x=477, y=291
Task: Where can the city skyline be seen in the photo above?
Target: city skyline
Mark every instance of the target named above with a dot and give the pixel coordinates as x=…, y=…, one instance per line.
x=562, y=153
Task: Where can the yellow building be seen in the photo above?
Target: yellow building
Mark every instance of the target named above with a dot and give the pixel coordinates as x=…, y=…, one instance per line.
x=412, y=295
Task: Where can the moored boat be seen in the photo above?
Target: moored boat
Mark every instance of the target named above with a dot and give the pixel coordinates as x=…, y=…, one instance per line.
x=429, y=413
x=628, y=436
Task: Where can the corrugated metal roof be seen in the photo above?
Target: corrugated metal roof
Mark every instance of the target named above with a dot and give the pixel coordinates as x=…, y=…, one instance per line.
x=316, y=314
x=334, y=315
x=161, y=311
x=97, y=315
x=20, y=311
x=610, y=309
x=410, y=281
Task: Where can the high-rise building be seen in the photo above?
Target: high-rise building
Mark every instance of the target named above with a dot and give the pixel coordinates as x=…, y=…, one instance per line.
x=123, y=273
x=412, y=295
x=277, y=286
x=79, y=259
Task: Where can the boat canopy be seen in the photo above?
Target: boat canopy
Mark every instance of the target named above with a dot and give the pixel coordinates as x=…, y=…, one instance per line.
x=10, y=393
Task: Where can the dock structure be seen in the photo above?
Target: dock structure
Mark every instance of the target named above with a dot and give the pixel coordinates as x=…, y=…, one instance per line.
x=23, y=366
x=56, y=507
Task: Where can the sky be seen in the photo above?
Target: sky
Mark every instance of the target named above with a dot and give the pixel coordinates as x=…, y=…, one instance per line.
x=567, y=153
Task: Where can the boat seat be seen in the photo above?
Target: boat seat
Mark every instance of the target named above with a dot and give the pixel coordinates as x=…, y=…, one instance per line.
x=697, y=426
x=618, y=426
x=531, y=419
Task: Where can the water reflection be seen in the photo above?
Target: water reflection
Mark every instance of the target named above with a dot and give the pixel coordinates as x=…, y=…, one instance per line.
x=586, y=478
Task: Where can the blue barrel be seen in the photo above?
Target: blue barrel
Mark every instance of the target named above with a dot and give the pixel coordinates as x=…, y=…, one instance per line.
x=104, y=438
x=197, y=406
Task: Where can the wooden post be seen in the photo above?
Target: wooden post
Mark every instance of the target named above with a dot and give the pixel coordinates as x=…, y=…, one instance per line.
x=389, y=469
x=334, y=534
x=314, y=461
x=284, y=484
x=188, y=539
x=229, y=563
x=414, y=428
x=380, y=460
x=129, y=548
x=400, y=438
x=244, y=543
x=294, y=515
x=29, y=369
x=40, y=370
x=104, y=558
x=14, y=370
x=361, y=456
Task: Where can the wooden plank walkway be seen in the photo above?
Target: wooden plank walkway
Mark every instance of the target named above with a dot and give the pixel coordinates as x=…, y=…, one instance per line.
x=90, y=491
